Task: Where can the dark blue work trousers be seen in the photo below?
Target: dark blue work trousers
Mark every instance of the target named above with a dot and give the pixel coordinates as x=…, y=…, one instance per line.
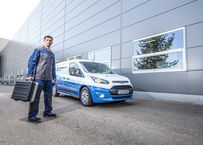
x=47, y=86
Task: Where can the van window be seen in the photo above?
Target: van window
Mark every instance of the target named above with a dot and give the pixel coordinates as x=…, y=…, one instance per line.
x=74, y=70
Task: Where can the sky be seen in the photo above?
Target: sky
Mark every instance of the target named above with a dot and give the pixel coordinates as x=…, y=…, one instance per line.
x=13, y=13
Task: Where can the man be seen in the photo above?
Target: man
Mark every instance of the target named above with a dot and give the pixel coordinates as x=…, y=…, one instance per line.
x=41, y=67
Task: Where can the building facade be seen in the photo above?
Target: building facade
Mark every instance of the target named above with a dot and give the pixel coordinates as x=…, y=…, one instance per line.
x=156, y=43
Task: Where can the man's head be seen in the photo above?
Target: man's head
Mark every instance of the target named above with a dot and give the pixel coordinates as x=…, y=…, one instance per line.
x=48, y=40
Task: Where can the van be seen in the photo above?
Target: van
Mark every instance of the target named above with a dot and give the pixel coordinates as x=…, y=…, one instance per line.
x=91, y=82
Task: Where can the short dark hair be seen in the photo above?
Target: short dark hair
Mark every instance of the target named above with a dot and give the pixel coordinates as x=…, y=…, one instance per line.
x=48, y=36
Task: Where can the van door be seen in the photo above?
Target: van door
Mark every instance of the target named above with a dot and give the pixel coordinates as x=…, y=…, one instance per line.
x=62, y=78
x=76, y=77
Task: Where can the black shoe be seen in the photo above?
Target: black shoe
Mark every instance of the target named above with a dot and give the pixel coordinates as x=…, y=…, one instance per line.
x=34, y=119
x=50, y=115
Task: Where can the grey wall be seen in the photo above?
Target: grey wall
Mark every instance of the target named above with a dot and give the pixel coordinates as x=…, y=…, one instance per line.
x=80, y=26
x=160, y=16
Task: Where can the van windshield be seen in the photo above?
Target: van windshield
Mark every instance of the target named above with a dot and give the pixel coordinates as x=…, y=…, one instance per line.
x=93, y=67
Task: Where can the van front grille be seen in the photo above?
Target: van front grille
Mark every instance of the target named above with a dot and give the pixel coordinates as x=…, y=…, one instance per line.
x=114, y=89
x=120, y=82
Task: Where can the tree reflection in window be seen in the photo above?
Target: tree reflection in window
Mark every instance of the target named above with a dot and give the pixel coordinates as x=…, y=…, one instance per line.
x=153, y=45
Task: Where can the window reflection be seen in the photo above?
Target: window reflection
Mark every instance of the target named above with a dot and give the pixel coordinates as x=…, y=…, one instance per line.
x=163, y=51
x=173, y=60
x=102, y=56
x=91, y=56
x=169, y=41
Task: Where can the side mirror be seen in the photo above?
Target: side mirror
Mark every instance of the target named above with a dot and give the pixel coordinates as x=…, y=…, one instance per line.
x=72, y=72
x=77, y=72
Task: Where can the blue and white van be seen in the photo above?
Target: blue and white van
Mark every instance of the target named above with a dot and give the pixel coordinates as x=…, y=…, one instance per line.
x=91, y=82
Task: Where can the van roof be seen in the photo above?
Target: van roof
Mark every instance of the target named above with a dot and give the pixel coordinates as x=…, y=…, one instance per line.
x=73, y=60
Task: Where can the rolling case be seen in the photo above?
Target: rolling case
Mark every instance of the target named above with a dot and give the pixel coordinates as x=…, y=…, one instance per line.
x=26, y=91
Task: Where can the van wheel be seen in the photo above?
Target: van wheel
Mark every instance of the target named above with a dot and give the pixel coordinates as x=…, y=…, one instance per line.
x=86, y=97
x=56, y=94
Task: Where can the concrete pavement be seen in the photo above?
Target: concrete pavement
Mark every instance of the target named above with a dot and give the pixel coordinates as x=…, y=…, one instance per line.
x=135, y=122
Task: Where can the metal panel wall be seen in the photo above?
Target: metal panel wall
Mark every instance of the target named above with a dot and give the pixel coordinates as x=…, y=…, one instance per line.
x=81, y=26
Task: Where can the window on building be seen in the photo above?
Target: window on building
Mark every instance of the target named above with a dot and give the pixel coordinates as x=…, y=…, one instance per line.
x=59, y=69
x=160, y=53
x=75, y=57
x=101, y=55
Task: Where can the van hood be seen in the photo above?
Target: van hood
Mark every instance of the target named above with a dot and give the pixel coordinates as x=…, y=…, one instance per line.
x=110, y=77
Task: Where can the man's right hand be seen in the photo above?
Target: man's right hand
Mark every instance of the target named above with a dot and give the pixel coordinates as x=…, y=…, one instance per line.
x=29, y=78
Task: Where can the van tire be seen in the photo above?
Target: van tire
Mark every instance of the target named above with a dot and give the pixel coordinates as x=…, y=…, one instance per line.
x=86, y=97
x=56, y=94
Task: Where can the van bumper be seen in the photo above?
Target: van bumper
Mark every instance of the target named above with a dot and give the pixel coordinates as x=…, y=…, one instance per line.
x=102, y=95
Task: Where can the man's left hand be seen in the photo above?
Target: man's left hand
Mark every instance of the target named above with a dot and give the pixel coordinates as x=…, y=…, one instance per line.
x=54, y=81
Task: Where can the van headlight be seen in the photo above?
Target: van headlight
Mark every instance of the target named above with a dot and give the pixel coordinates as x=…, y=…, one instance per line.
x=98, y=80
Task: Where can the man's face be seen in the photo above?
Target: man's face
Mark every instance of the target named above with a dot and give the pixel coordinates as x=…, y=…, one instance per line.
x=48, y=42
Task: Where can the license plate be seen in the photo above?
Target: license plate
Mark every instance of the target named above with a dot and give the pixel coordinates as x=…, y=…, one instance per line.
x=123, y=91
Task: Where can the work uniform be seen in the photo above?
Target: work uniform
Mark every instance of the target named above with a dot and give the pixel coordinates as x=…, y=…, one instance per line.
x=41, y=65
